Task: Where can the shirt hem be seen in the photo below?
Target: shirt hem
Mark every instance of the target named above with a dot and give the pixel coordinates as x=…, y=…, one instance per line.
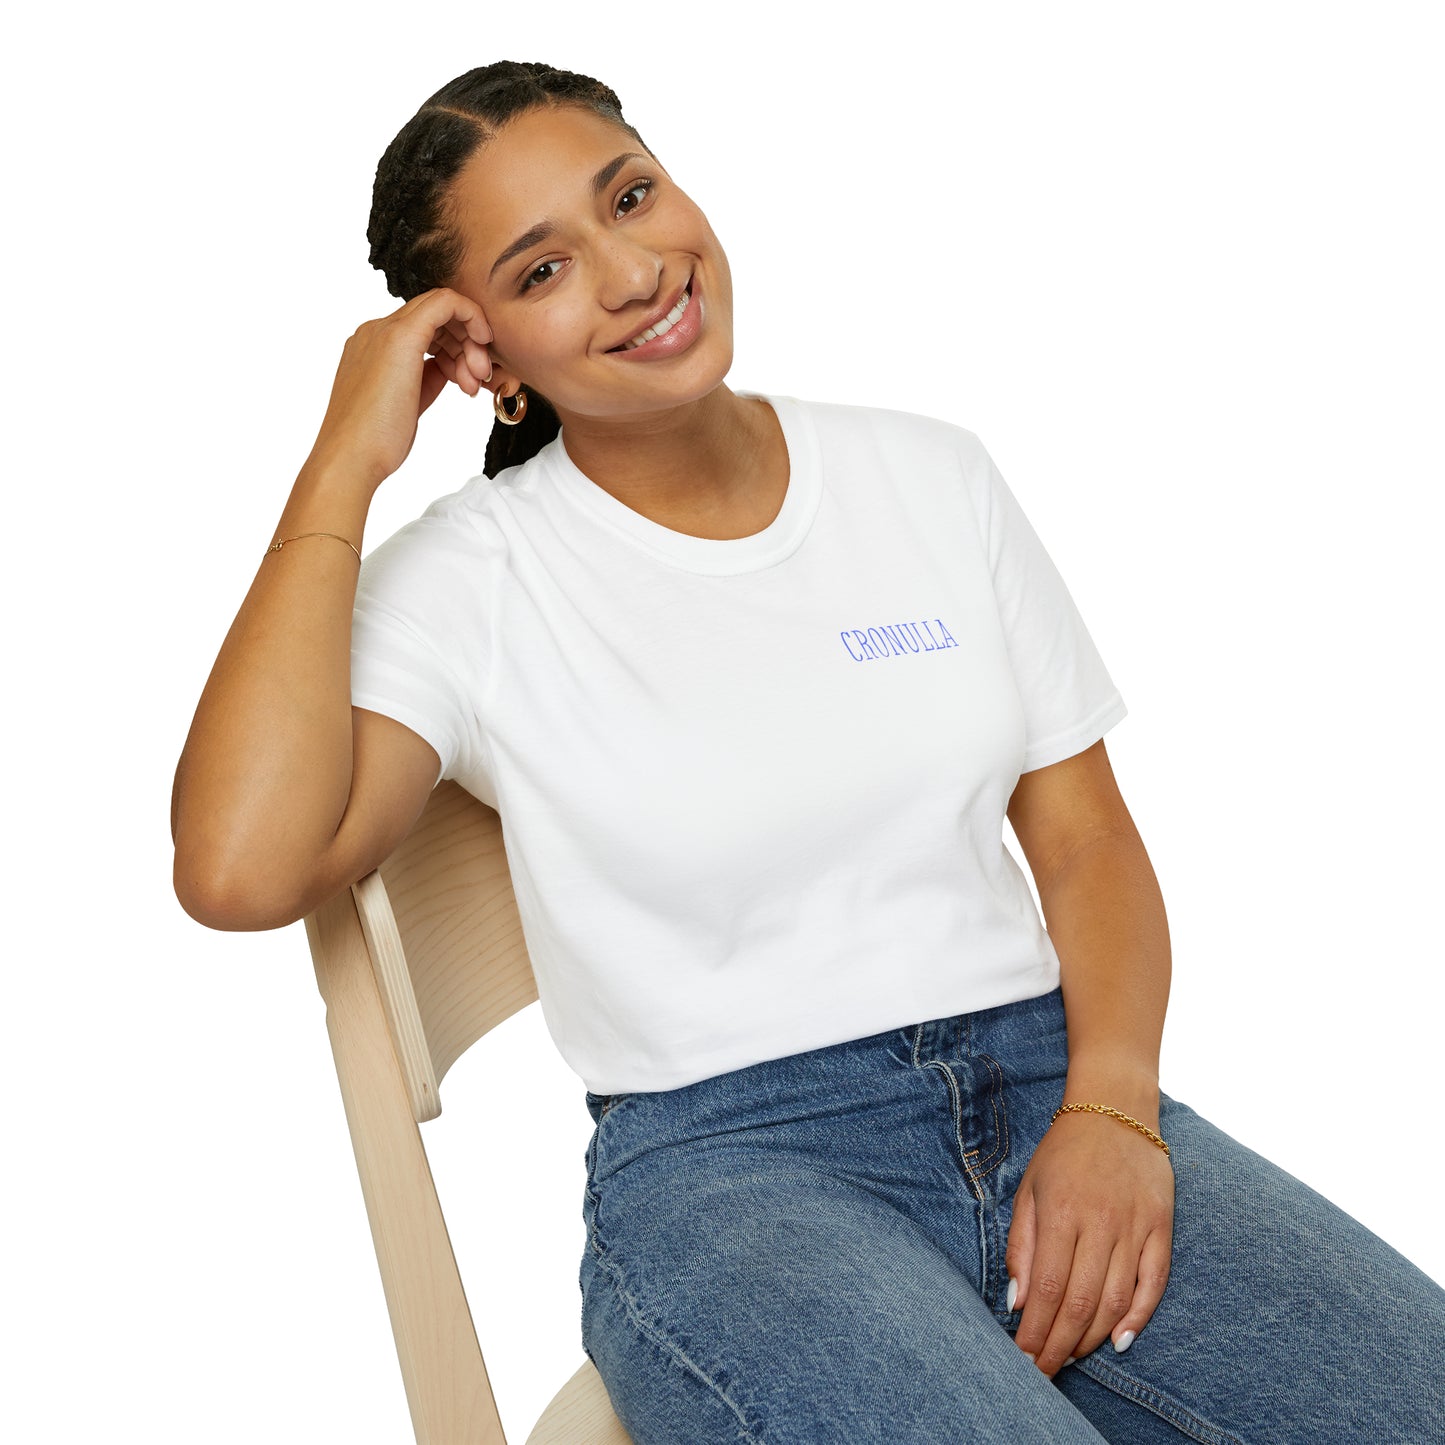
x=1065, y=745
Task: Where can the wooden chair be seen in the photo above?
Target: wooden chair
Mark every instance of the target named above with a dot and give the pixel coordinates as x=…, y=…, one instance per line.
x=416, y=962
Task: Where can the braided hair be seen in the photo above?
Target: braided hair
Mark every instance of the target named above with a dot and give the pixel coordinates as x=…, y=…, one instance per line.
x=413, y=236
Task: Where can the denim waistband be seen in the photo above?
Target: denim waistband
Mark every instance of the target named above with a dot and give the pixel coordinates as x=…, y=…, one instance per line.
x=1025, y=1037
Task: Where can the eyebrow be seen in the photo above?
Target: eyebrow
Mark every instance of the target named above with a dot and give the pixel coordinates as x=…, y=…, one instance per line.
x=543, y=229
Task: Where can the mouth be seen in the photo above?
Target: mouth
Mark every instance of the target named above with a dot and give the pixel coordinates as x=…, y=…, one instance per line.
x=660, y=327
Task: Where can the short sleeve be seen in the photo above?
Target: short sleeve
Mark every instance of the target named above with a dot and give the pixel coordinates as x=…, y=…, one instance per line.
x=1069, y=699
x=405, y=607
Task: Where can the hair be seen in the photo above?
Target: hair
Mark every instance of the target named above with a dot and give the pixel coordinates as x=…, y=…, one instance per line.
x=414, y=238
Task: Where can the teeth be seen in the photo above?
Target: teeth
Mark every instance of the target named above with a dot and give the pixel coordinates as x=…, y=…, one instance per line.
x=663, y=326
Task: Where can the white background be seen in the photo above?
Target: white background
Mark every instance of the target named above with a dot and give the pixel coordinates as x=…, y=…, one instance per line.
x=1180, y=270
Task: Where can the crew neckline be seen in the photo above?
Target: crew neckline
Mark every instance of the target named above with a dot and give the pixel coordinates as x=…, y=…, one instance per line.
x=717, y=557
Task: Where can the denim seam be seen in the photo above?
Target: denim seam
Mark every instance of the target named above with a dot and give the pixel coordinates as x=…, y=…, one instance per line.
x=661, y=1342
x=977, y=1169
x=1158, y=1403
x=956, y=1111
x=992, y=1273
x=594, y=1196
x=1000, y=1121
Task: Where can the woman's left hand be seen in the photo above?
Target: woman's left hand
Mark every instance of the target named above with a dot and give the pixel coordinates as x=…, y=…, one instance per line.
x=1092, y=1232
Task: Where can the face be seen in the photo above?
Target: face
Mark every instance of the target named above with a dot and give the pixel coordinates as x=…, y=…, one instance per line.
x=578, y=243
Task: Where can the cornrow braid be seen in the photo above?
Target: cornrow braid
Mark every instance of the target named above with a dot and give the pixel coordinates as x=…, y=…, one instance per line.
x=414, y=241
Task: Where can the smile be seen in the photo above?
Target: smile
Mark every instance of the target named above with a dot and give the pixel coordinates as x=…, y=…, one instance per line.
x=662, y=327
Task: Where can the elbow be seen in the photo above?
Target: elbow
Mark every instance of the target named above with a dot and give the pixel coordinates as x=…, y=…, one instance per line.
x=232, y=898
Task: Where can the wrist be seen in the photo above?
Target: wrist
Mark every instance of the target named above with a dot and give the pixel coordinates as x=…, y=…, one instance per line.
x=1132, y=1089
x=327, y=497
x=1103, y=1110
x=332, y=469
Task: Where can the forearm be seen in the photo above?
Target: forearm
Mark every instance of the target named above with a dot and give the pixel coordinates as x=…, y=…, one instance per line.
x=265, y=775
x=1105, y=914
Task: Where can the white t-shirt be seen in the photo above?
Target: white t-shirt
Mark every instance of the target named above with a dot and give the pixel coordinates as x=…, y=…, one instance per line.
x=753, y=790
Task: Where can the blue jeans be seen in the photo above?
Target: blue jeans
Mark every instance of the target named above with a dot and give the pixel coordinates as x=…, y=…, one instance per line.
x=812, y=1249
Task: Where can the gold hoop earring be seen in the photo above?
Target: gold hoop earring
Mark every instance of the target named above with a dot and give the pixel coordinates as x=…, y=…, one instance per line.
x=509, y=418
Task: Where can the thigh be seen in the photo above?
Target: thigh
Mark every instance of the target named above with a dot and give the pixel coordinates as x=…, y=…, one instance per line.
x=731, y=1297
x=1285, y=1320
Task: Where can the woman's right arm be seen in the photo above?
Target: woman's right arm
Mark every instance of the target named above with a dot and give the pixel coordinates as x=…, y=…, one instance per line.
x=284, y=792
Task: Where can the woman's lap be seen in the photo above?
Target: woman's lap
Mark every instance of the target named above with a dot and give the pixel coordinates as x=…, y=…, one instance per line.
x=1285, y=1319
x=793, y=1307
x=812, y=1250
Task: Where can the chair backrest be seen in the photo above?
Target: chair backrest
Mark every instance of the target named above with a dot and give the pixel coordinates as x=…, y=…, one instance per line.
x=416, y=962
x=441, y=922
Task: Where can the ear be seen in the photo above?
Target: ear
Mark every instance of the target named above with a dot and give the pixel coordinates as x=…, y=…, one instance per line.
x=504, y=380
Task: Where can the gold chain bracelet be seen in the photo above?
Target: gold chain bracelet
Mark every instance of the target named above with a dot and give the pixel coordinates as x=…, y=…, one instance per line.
x=1144, y=1129
x=278, y=545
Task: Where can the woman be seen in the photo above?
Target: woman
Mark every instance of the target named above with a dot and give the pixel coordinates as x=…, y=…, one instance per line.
x=753, y=684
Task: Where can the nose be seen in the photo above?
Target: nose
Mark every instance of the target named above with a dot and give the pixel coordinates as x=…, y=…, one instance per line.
x=628, y=272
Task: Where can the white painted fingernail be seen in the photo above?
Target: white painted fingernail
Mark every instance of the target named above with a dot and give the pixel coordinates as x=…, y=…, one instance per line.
x=1013, y=1294
x=1124, y=1341
x=1071, y=1359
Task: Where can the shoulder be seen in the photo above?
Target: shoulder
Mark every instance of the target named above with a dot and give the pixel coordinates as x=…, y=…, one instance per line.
x=934, y=465
x=418, y=551
x=905, y=434
x=454, y=534
x=903, y=426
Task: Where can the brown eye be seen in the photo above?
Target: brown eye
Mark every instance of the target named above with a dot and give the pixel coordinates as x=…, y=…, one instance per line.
x=633, y=197
x=545, y=272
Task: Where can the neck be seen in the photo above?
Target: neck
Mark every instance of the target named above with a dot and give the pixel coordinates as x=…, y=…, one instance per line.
x=716, y=467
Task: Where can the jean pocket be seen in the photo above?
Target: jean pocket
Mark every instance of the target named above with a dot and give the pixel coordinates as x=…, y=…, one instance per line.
x=599, y=1106
x=609, y=1133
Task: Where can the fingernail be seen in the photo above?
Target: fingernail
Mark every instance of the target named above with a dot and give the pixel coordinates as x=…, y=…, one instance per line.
x=1032, y=1359
x=1124, y=1341
x=1013, y=1294
x=1071, y=1359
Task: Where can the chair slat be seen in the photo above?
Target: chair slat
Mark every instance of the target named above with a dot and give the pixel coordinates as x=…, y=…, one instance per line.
x=398, y=997
x=452, y=897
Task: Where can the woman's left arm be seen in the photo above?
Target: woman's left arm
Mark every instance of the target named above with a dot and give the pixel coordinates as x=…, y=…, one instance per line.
x=1089, y=1245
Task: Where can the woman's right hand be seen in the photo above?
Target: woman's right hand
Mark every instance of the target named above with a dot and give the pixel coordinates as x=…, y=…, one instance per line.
x=391, y=370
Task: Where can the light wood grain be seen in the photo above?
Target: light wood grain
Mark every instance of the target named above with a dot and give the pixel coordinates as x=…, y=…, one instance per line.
x=580, y=1412
x=446, y=1382
x=416, y=962
x=451, y=894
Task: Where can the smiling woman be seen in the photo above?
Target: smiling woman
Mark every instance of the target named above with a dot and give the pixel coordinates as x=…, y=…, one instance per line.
x=579, y=255
x=879, y=1152
x=525, y=189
